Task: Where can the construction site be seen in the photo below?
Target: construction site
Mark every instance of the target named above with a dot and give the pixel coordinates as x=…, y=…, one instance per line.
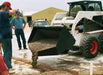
x=62, y=42
x=70, y=45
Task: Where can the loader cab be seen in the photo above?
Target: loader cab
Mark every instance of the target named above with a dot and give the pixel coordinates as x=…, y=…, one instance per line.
x=94, y=24
x=86, y=25
x=75, y=7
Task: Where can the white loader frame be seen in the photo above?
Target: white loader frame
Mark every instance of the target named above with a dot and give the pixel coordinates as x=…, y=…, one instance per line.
x=74, y=21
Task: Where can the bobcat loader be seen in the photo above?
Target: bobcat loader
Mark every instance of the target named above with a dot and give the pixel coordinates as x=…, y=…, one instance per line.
x=79, y=29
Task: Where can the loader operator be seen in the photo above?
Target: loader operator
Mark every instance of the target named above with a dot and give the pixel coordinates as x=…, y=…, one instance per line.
x=80, y=25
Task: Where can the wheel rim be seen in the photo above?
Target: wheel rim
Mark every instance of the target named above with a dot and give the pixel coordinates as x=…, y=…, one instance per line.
x=93, y=50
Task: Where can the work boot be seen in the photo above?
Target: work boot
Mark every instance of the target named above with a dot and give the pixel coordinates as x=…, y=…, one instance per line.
x=25, y=48
x=19, y=48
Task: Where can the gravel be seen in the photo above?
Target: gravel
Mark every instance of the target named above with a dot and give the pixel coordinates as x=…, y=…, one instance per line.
x=42, y=44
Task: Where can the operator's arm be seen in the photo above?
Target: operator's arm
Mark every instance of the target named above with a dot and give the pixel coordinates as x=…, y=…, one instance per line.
x=80, y=28
x=77, y=28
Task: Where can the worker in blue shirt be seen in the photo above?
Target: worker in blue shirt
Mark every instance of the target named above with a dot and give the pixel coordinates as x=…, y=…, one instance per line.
x=17, y=24
x=6, y=31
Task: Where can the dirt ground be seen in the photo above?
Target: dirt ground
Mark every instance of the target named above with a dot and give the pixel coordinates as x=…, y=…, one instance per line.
x=25, y=68
x=22, y=68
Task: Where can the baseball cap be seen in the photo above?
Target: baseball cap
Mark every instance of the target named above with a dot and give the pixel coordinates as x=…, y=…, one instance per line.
x=8, y=4
x=17, y=13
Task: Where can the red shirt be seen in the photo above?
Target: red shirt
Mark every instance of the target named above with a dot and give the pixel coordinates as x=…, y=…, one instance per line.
x=3, y=66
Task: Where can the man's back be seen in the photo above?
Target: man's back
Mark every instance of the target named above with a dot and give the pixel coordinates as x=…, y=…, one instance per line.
x=5, y=27
x=4, y=19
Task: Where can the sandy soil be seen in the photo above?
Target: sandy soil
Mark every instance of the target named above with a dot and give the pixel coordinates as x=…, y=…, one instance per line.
x=43, y=44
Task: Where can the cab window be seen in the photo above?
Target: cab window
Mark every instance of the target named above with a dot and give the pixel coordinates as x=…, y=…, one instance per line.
x=96, y=6
x=75, y=10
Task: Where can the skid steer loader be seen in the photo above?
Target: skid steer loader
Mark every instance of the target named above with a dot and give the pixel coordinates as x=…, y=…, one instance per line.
x=80, y=30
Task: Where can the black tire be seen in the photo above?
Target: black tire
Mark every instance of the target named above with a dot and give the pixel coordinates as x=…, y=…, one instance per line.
x=101, y=43
x=89, y=47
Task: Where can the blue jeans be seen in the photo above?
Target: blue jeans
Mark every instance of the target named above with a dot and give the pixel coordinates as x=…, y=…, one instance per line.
x=20, y=33
x=7, y=49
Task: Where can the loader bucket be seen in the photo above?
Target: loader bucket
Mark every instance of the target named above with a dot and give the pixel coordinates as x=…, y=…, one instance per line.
x=50, y=40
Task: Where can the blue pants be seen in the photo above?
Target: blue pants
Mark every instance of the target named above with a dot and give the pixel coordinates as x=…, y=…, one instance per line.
x=20, y=33
x=7, y=49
